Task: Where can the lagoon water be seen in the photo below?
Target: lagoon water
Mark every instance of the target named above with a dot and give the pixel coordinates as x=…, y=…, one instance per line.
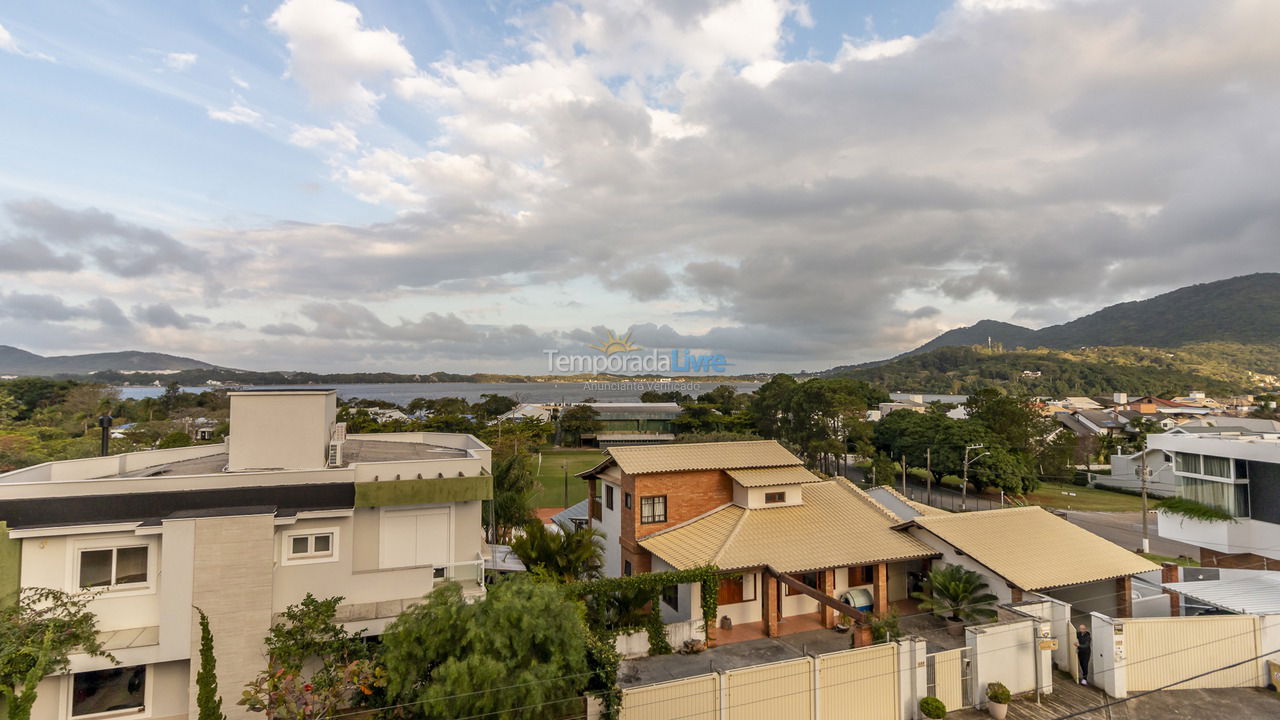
x=402, y=393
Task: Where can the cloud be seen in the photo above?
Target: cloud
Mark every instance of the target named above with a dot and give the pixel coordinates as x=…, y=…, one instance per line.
x=237, y=114
x=51, y=237
x=338, y=137
x=41, y=308
x=162, y=315
x=10, y=45
x=180, y=61
x=647, y=282
x=335, y=57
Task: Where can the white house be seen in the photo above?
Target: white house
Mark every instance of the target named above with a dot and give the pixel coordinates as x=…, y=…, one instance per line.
x=288, y=505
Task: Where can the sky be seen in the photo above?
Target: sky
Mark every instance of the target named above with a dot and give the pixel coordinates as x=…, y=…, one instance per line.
x=460, y=186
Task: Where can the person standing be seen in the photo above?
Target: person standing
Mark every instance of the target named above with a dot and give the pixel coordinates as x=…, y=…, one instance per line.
x=1084, y=648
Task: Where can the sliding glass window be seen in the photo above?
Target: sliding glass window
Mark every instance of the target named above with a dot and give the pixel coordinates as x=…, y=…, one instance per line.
x=1188, y=463
x=1227, y=496
x=1217, y=466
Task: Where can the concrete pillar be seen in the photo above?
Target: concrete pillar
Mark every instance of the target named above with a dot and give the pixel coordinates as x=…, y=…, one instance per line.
x=1169, y=574
x=827, y=584
x=862, y=635
x=1124, y=598
x=881, y=592
x=769, y=596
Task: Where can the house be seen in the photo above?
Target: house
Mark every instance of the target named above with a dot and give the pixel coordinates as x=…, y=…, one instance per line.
x=382, y=415
x=621, y=423
x=752, y=510
x=1235, y=470
x=1023, y=550
x=288, y=504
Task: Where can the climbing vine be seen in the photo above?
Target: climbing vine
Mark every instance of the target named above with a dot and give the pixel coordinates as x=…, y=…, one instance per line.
x=601, y=651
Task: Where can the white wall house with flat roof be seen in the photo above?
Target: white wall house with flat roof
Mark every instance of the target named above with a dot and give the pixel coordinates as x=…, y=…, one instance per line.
x=241, y=529
x=1237, y=472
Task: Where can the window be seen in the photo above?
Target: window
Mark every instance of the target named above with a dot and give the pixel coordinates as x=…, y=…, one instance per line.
x=671, y=596
x=626, y=568
x=315, y=546
x=1242, y=469
x=119, y=689
x=1187, y=463
x=653, y=509
x=608, y=496
x=1233, y=498
x=810, y=579
x=736, y=589
x=626, y=500
x=115, y=567
x=862, y=575
x=1217, y=466
x=775, y=497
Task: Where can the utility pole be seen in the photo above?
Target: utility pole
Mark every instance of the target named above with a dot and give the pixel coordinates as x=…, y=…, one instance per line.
x=904, y=474
x=1142, y=468
x=928, y=480
x=964, y=482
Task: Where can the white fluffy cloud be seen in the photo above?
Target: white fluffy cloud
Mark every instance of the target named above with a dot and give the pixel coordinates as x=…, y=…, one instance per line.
x=236, y=114
x=180, y=61
x=335, y=57
x=10, y=45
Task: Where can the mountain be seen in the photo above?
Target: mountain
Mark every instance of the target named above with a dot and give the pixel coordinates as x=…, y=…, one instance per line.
x=1243, y=309
x=15, y=361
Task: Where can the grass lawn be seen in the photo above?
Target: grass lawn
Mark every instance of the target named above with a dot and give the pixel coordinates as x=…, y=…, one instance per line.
x=1051, y=495
x=1184, y=562
x=554, y=464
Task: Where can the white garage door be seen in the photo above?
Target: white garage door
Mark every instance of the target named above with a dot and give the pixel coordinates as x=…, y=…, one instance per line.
x=410, y=538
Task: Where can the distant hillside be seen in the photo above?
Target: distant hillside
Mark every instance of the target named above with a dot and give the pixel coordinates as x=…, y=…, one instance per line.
x=1216, y=368
x=1243, y=309
x=14, y=361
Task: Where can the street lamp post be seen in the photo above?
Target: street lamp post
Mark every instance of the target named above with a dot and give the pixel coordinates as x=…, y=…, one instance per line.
x=964, y=482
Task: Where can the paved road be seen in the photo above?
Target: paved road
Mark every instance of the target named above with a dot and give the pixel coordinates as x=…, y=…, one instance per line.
x=1125, y=530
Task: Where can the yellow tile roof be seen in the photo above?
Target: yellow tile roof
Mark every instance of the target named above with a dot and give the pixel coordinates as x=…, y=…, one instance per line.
x=762, y=477
x=639, y=459
x=833, y=528
x=1034, y=549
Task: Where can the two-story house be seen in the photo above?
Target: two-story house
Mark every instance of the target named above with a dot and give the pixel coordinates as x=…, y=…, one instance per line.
x=752, y=510
x=288, y=505
x=1234, y=470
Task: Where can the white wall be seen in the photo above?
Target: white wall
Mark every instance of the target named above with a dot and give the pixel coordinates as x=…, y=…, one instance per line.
x=51, y=562
x=1007, y=653
x=1243, y=536
x=610, y=523
x=288, y=430
x=996, y=585
x=166, y=694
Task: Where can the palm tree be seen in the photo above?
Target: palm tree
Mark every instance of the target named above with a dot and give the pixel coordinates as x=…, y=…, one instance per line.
x=512, y=506
x=956, y=594
x=572, y=553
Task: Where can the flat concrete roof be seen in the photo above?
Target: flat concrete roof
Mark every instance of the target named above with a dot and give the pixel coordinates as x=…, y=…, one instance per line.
x=353, y=451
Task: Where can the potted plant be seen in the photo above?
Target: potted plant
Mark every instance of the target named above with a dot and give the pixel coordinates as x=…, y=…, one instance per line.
x=956, y=595
x=932, y=707
x=997, y=700
x=844, y=623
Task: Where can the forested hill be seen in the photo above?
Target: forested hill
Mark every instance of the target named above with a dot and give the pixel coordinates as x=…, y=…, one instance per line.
x=1216, y=368
x=1243, y=309
x=20, y=362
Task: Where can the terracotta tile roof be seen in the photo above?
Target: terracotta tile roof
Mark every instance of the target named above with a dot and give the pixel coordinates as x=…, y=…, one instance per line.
x=1032, y=548
x=640, y=459
x=762, y=477
x=833, y=528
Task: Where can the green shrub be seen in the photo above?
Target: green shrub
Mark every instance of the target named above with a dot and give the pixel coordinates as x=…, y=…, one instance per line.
x=920, y=474
x=998, y=693
x=932, y=707
x=884, y=627
x=175, y=439
x=1080, y=479
x=952, y=481
x=1194, y=510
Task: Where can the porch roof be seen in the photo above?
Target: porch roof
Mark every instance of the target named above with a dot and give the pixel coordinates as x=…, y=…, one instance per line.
x=833, y=528
x=1032, y=548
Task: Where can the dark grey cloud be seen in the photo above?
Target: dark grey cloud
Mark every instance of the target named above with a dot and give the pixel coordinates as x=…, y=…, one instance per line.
x=115, y=246
x=163, y=315
x=43, y=308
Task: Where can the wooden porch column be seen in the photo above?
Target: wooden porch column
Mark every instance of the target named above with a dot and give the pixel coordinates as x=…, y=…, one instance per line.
x=769, y=596
x=881, y=591
x=1124, y=598
x=827, y=584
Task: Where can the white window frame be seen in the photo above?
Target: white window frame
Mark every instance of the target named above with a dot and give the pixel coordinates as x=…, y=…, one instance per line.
x=114, y=542
x=144, y=712
x=286, y=547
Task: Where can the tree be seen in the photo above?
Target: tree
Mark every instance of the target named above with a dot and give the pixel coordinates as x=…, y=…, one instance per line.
x=520, y=652
x=653, y=396
x=512, y=506
x=579, y=420
x=208, y=702
x=37, y=633
x=492, y=405
x=175, y=439
x=957, y=594
x=572, y=553
x=9, y=407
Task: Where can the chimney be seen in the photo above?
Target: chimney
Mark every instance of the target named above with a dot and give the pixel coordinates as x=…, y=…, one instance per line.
x=1120, y=398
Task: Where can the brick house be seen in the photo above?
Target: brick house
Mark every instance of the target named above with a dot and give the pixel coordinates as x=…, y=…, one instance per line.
x=754, y=511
